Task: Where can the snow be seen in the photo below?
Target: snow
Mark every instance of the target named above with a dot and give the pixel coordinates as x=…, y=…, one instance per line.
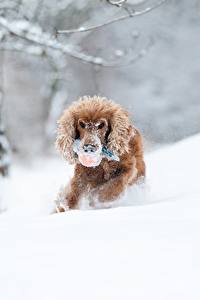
x=149, y=250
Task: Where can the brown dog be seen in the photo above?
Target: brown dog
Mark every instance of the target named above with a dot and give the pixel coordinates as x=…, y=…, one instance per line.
x=98, y=122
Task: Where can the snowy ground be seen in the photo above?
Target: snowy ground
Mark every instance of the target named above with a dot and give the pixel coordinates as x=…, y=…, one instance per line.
x=150, y=250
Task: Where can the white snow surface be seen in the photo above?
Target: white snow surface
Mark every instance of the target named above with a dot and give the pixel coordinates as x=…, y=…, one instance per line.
x=149, y=248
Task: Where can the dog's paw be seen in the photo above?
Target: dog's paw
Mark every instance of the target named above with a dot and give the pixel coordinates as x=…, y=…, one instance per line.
x=60, y=202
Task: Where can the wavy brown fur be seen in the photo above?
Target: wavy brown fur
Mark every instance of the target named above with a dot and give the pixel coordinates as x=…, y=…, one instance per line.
x=108, y=180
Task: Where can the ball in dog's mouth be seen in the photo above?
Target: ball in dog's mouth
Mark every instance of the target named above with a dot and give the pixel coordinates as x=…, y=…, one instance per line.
x=89, y=160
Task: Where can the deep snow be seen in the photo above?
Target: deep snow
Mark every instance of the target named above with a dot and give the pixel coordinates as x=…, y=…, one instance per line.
x=149, y=250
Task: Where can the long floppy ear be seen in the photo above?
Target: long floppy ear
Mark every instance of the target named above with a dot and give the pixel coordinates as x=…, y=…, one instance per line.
x=66, y=133
x=121, y=132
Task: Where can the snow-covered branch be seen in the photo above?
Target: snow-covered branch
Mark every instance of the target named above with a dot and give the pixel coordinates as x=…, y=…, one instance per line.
x=20, y=47
x=29, y=32
x=43, y=41
x=130, y=14
x=28, y=37
x=117, y=3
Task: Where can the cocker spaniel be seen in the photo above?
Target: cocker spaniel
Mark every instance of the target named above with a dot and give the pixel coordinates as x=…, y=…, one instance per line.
x=97, y=136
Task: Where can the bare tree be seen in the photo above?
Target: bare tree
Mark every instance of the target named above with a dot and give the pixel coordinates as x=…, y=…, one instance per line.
x=27, y=32
x=22, y=32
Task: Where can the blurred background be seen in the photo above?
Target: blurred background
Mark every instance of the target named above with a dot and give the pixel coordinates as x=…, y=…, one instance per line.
x=149, y=62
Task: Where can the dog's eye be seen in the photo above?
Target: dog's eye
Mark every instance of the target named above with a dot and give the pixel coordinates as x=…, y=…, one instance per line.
x=82, y=124
x=101, y=125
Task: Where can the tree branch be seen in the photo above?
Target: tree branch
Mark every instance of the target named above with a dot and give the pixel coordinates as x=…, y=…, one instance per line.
x=117, y=3
x=130, y=14
x=20, y=47
x=34, y=34
x=44, y=41
x=45, y=44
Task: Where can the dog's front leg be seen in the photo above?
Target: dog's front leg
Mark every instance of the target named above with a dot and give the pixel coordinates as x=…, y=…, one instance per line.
x=69, y=196
x=75, y=191
x=112, y=189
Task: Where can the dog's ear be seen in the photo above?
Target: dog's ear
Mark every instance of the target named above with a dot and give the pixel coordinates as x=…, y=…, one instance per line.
x=66, y=134
x=120, y=133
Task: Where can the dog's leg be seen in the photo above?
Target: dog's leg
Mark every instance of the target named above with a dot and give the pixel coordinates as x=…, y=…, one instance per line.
x=112, y=189
x=60, y=201
x=74, y=194
x=68, y=196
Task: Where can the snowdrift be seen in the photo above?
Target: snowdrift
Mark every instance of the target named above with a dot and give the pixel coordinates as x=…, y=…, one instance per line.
x=147, y=249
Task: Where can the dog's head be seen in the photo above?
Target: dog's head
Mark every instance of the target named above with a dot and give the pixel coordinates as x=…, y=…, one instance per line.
x=97, y=122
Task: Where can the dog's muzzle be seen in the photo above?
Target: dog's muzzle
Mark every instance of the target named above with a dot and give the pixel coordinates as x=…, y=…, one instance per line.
x=89, y=154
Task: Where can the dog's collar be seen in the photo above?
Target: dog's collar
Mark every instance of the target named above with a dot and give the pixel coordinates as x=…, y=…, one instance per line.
x=109, y=154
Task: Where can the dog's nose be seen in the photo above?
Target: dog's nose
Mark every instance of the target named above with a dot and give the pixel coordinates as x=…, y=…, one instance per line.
x=89, y=148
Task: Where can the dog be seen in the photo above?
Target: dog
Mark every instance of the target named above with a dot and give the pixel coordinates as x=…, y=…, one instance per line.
x=98, y=123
